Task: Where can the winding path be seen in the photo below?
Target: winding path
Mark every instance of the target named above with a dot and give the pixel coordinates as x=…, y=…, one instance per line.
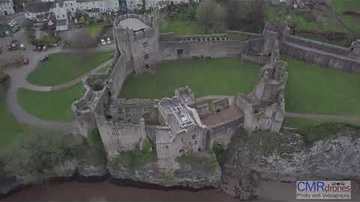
x=18, y=80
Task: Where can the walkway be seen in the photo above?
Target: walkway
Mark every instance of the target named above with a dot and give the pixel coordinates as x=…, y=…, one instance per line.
x=18, y=80
x=355, y=120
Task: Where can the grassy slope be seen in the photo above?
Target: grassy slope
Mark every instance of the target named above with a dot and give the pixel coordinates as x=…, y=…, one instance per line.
x=205, y=77
x=50, y=105
x=301, y=123
x=303, y=23
x=348, y=5
x=10, y=130
x=180, y=27
x=312, y=89
x=63, y=67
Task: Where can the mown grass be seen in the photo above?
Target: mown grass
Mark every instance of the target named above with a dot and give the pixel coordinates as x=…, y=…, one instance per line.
x=64, y=67
x=204, y=76
x=312, y=89
x=54, y=105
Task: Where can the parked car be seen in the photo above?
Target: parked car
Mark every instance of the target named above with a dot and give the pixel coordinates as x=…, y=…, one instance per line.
x=40, y=48
x=15, y=45
x=108, y=41
x=45, y=59
x=26, y=61
x=103, y=42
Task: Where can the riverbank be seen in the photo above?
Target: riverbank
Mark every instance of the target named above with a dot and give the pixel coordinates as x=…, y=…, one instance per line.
x=105, y=191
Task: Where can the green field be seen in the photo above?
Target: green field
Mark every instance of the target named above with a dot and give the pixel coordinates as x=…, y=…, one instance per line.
x=54, y=105
x=312, y=89
x=204, y=76
x=64, y=67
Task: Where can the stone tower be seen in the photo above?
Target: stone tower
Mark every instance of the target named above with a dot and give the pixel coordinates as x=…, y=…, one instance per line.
x=137, y=37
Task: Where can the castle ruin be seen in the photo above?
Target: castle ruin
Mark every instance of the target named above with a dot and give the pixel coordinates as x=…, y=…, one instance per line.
x=185, y=123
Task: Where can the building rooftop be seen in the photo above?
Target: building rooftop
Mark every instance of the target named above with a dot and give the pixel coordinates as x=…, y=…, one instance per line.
x=133, y=24
x=172, y=107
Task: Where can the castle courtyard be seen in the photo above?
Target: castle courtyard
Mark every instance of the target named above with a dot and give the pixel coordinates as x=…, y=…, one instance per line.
x=205, y=76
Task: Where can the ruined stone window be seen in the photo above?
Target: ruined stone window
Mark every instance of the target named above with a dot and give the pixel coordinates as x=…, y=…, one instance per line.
x=145, y=44
x=193, y=137
x=180, y=51
x=146, y=56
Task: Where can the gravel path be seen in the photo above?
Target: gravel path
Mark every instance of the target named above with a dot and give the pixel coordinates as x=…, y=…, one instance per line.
x=18, y=80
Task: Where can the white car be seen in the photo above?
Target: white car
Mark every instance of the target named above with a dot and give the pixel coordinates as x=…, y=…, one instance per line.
x=103, y=42
x=108, y=41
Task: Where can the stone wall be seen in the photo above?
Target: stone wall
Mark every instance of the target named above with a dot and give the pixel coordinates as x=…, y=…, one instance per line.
x=84, y=109
x=206, y=46
x=222, y=133
x=121, y=136
x=320, y=53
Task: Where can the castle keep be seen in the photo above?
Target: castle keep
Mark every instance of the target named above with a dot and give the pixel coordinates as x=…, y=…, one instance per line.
x=184, y=123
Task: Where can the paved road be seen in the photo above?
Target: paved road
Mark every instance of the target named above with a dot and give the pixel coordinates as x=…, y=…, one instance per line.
x=18, y=80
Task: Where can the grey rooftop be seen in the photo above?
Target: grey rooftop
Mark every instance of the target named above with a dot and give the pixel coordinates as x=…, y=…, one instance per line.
x=133, y=24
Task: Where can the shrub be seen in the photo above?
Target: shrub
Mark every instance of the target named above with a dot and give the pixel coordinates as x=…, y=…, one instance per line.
x=135, y=158
x=41, y=152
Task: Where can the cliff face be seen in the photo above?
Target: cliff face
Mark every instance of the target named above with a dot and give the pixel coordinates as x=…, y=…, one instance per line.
x=194, y=171
x=287, y=157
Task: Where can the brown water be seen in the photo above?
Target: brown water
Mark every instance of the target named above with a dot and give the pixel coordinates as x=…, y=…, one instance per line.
x=107, y=192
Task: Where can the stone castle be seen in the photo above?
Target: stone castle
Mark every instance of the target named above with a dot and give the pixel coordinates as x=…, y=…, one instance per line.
x=184, y=123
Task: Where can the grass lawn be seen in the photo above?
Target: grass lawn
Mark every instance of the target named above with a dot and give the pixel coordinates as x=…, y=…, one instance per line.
x=10, y=130
x=312, y=89
x=50, y=105
x=204, y=76
x=64, y=67
x=180, y=27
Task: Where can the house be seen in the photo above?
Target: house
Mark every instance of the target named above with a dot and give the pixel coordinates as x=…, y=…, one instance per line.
x=6, y=7
x=40, y=10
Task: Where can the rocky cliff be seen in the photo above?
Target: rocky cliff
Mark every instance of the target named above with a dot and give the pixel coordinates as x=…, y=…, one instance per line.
x=289, y=156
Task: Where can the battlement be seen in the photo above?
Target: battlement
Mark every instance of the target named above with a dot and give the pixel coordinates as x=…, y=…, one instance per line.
x=133, y=27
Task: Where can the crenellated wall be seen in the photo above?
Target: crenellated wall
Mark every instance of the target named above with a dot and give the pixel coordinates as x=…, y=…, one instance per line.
x=215, y=46
x=324, y=54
